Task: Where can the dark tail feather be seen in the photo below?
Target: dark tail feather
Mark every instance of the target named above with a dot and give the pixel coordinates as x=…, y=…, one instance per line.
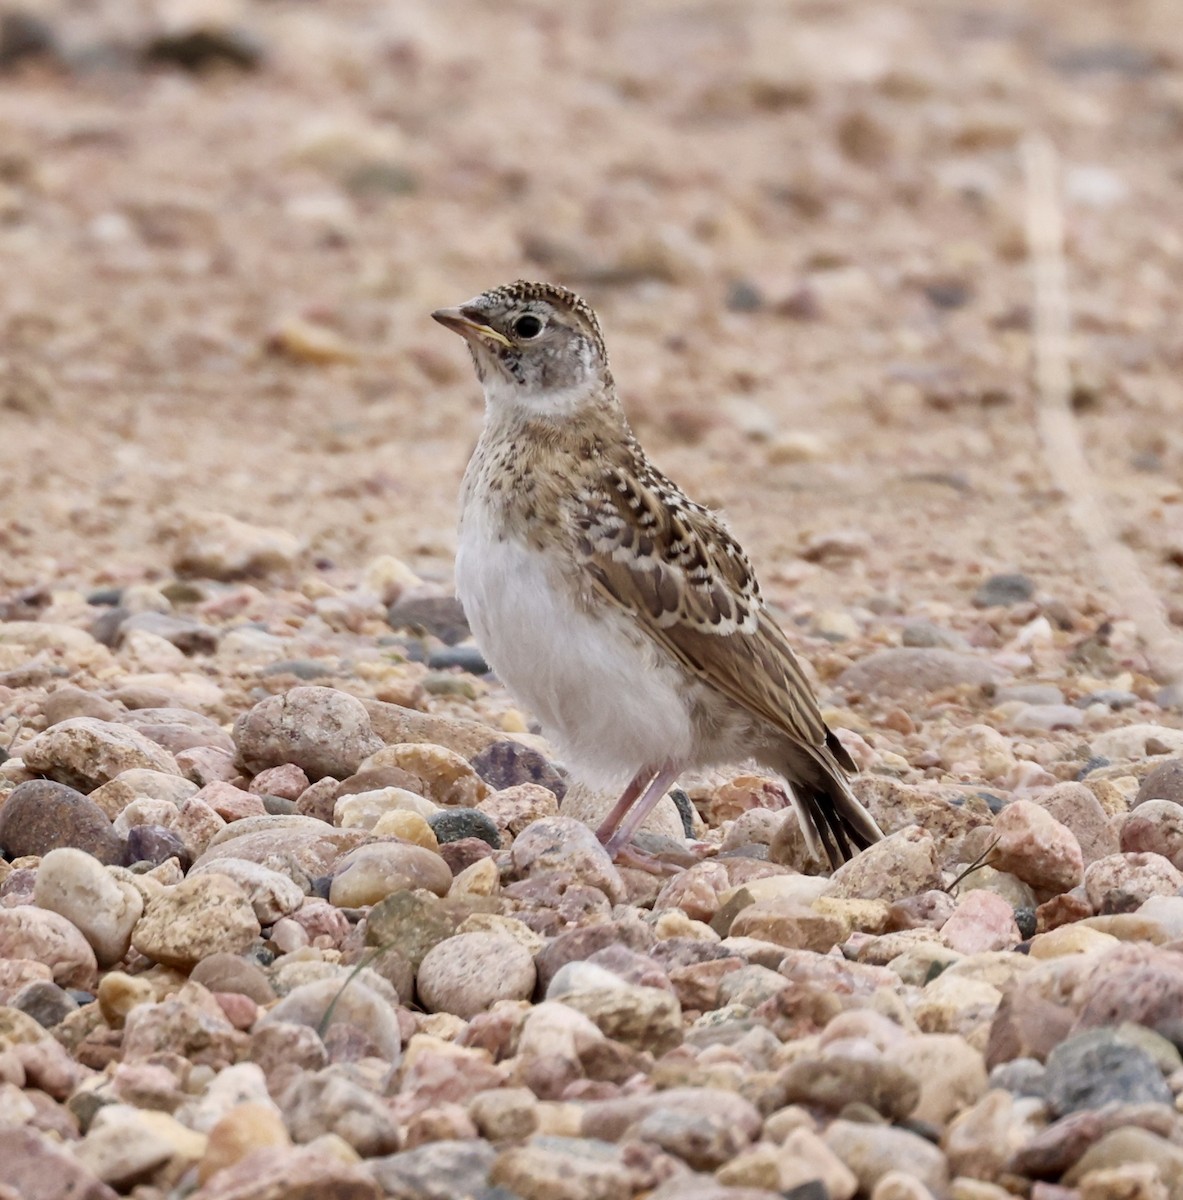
x=834, y=821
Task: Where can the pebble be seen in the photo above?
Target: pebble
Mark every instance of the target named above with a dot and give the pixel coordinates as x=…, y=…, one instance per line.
x=322, y=1171
x=788, y=923
x=84, y=753
x=217, y=546
x=243, y=1129
x=507, y=764
x=200, y=916
x=981, y=922
x=572, y=1168
x=1004, y=590
x=441, y=775
x=836, y=1080
x=901, y=865
x=1164, y=782
x=47, y=937
x=562, y=843
x=1077, y=808
x=1098, y=1067
x=103, y=908
x=646, y=1018
x=1154, y=826
x=40, y=816
x=370, y=873
x=320, y=730
x=1036, y=848
x=440, y=1170
x=469, y=973
x=871, y=1151
x=355, y=1003
x=454, y=824
x=1137, y=742
x=140, y=783
x=917, y=669
x=272, y=894
x=1121, y=882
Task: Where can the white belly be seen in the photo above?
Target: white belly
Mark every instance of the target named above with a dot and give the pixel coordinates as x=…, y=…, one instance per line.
x=603, y=696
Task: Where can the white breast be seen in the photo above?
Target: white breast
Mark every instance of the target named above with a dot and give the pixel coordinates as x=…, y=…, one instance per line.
x=597, y=685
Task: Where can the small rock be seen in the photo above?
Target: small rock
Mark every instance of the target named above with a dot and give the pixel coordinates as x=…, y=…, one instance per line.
x=323, y=1171
x=562, y=843
x=908, y=669
x=951, y=1074
x=704, y=1128
x=1004, y=590
x=836, y=1080
x=84, y=753
x=1099, y=1067
x=506, y=764
x=354, y=1003
x=454, y=824
x=901, y=865
x=787, y=923
x=105, y=909
x=1121, y=882
x=440, y=774
x=47, y=937
x=871, y=1151
x=1077, y=808
x=200, y=916
x=440, y=1170
x=469, y=973
x=222, y=972
x=1036, y=848
x=571, y=1168
x=1165, y=782
x=1137, y=742
x=286, y=781
x=424, y=610
x=40, y=816
x=647, y=1018
x=272, y=894
x=38, y=1167
x=982, y=922
x=46, y=1003
x=370, y=873
x=248, y=1126
x=328, y=1101
x=1154, y=826
x=217, y=546
x=320, y=730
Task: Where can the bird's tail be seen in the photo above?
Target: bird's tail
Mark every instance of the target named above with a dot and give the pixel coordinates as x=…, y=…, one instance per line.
x=834, y=821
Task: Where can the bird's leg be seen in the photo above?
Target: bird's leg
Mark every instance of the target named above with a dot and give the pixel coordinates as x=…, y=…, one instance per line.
x=658, y=786
x=620, y=810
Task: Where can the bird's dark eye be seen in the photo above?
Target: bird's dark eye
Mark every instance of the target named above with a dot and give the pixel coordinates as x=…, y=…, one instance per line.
x=527, y=326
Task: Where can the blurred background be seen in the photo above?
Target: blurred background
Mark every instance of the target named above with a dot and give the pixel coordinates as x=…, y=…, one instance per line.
x=223, y=226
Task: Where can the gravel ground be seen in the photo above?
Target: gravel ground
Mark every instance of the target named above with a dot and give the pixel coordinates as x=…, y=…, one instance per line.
x=294, y=899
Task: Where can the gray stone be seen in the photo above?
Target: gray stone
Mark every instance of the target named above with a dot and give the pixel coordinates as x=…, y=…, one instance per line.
x=1098, y=1067
x=437, y=1171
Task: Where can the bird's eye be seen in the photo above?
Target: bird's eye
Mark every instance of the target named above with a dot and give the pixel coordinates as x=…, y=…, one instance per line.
x=527, y=326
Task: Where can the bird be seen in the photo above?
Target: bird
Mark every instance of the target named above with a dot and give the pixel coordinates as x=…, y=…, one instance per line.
x=624, y=615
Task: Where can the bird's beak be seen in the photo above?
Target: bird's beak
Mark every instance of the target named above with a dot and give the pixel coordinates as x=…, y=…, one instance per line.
x=459, y=322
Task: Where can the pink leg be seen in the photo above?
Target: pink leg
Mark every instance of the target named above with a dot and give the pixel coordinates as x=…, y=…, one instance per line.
x=637, y=785
x=641, y=809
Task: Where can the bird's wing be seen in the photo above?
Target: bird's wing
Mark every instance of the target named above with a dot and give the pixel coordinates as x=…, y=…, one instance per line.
x=673, y=566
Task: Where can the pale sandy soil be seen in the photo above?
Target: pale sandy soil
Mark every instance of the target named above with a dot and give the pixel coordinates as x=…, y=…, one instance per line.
x=159, y=228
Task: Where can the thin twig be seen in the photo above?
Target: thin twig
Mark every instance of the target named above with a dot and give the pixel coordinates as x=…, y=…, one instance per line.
x=1058, y=429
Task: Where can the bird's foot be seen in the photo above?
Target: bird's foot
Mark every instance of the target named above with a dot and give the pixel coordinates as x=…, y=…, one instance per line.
x=642, y=860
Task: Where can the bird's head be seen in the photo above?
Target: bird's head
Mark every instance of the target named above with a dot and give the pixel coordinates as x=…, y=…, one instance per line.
x=536, y=347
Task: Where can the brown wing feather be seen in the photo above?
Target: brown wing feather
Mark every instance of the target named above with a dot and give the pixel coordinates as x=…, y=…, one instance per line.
x=673, y=565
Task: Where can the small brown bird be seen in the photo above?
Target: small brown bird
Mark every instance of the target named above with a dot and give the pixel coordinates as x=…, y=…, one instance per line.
x=622, y=613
